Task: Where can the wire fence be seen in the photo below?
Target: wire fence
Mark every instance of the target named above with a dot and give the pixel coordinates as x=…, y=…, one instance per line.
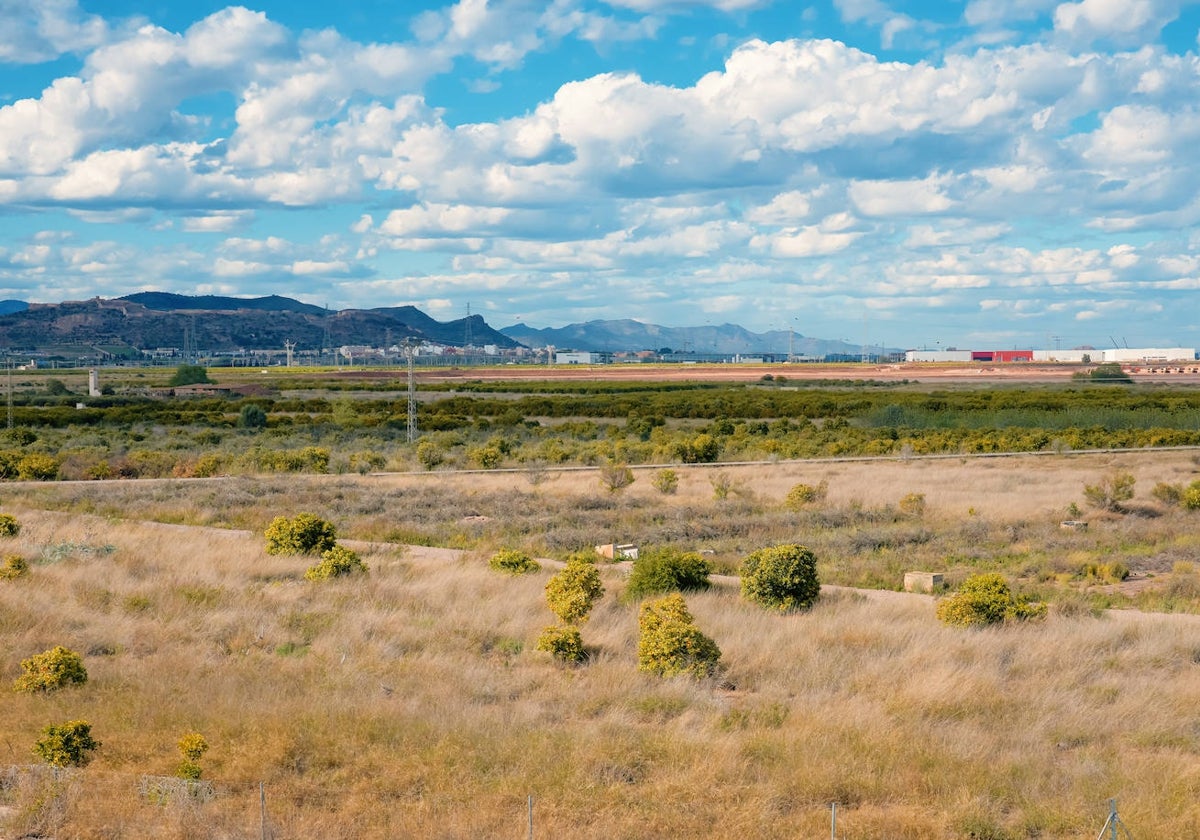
x=45, y=801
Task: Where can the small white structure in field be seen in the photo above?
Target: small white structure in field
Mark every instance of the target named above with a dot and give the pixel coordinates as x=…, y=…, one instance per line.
x=922, y=581
x=616, y=551
x=93, y=383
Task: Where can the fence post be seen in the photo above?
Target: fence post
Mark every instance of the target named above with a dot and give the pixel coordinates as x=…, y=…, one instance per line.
x=833, y=821
x=531, y=816
x=262, y=807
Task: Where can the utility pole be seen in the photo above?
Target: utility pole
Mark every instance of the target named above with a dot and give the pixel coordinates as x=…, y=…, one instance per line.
x=288, y=347
x=410, y=351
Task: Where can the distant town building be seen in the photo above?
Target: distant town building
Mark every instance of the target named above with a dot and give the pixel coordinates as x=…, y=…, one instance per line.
x=576, y=357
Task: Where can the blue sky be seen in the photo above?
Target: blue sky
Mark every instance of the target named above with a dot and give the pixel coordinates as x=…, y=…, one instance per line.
x=1000, y=173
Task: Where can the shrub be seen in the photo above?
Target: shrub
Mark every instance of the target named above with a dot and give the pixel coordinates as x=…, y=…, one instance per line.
x=1191, y=496
x=68, y=744
x=666, y=482
x=783, y=578
x=252, y=417
x=430, y=454
x=51, y=670
x=701, y=449
x=1170, y=494
x=670, y=644
x=363, y=462
x=615, y=477
x=192, y=746
x=983, y=600
x=571, y=593
x=15, y=566
x=721, y=484
x=37, y=467
x=912, y=504
x=1110, y=492
x=486, y=457
x=9, y=526
x=513, y=562
x=189, y=375
x=666, y=570
x=563, y=643
x=802, y=495
x=1112, y=572
x=302, y=534
x=336, y=562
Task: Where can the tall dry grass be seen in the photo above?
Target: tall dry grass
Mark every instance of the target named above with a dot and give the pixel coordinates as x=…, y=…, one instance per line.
x=411, y=703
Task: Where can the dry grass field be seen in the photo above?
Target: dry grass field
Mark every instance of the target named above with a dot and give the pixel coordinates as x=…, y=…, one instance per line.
x=411, y=702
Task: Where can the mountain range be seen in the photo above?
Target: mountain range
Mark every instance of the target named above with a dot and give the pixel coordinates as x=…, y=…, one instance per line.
x=149, y=320
x=725, y=339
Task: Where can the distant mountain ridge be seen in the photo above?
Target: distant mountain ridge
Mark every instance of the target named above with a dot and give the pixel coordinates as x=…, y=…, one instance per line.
x=626, y=335
x=150, y=320
x=170, y=302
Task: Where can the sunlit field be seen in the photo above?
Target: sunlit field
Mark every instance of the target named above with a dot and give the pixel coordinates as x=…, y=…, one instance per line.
x=411, y=701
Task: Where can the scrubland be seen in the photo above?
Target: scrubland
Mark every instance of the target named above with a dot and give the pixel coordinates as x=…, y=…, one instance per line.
x=411, y=701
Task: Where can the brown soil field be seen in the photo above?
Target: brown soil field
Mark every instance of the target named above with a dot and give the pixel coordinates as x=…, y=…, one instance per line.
x=917, y=373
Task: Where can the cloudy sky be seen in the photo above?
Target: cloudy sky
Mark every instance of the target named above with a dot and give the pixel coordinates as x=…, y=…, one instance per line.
x=1010, y=173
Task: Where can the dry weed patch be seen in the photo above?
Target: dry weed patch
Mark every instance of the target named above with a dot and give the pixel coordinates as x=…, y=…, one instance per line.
x=412, y=701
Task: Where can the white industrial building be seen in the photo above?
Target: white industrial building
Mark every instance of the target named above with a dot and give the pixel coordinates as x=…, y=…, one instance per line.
x=1148, y=355
x=1066, y=356
x=937, y=356
x=576, y=357
x=1119, y=355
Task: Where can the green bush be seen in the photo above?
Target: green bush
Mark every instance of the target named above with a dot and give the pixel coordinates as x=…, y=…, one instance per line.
x=666, y=481
x=9, y=526
x=1190, y=498
x=1170, y=494
x=803, y=495
x=51, y=670
x=983, y=600
x=15, y=566
x=912, y=504
x=430, y=454
x=302, y=534
x=670, y=644
x=252, y=417
x=337, y=561
x=192, y=747
x=659, y=570
x=363, y=462
x=513, y=562
x=563, y=643
x=783, y=578
x=487, y=457
x=37, y=467
x=1112, y=572
x=1110, y=492
x=571, y=593
x=68, y=744
x=189, y=375
x=615, y=477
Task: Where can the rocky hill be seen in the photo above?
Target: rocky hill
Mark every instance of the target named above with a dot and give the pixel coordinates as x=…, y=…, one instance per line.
x=151, y=320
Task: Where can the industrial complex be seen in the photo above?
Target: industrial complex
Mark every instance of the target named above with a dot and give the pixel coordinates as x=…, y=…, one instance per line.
x=1119, y=355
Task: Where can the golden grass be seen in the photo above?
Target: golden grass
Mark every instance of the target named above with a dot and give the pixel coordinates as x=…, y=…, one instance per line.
x=412, y=703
